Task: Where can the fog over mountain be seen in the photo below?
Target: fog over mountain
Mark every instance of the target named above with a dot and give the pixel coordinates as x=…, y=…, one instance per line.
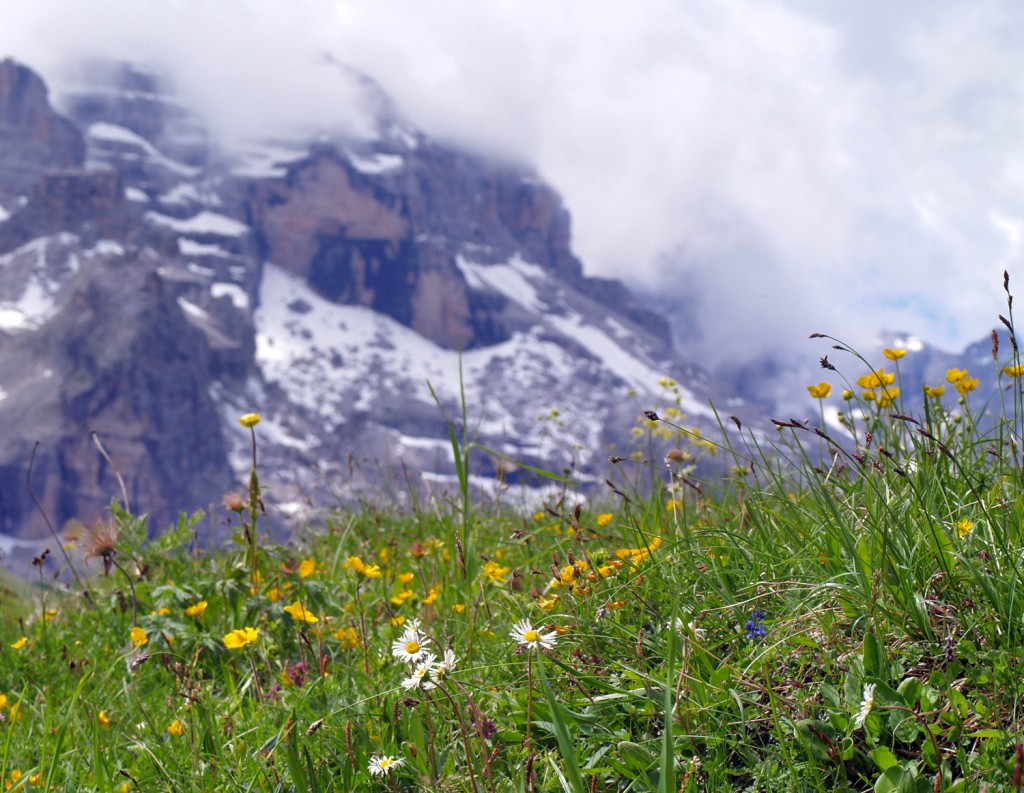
x=767, y=169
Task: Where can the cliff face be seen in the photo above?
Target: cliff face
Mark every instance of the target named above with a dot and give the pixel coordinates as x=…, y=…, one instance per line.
x=153, y=287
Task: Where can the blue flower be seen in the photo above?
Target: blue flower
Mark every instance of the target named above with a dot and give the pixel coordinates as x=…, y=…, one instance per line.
x=755, y=630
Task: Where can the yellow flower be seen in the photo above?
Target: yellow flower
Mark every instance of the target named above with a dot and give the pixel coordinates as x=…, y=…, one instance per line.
x=249, y=420
x=176, y=728
x=307, y=567
x=965, y=385
x=893, y=354
x=495, y=571
x=936, y=392
x=887, y=397
x=275, y=595
x=405, y=578
x=432, y=595
x=20, y=643
x=49, y=615
x=139, y=636
x=240, y=637
x=398, y=620
x=15, y=776
x=196, y=610
x=36, y=779
x=1014, y=371
x=538, y=517
x=819, y=391
x=604, y=518
x=875, y=379
x=847, y=394
x=3, y=701
x=372, y=571
x=103, y=719
x=964, y=526
x=548, y=603
x=952, y=375
x=349, y=637
x=869, y=396
x=458, y=608
x=299, y=613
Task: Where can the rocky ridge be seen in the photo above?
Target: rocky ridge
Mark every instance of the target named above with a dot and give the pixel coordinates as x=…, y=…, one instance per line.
x=154, y=286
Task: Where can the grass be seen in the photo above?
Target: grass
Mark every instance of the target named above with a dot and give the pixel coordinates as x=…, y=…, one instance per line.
x=843, y=613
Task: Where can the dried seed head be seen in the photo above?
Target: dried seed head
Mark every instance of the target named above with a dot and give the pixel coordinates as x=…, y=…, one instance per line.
x=995, y=345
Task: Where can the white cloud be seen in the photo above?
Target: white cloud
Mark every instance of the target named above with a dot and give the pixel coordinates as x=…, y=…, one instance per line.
x=804, y=166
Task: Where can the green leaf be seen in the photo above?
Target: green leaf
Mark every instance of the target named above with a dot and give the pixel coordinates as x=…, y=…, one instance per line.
x=873, y=657
x=883, y=758
x=561, y=731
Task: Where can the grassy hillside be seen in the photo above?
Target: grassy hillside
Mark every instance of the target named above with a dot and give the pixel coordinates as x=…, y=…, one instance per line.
x=846, y=613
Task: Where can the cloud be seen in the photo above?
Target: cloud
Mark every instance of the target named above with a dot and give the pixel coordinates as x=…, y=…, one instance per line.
x=802, y=166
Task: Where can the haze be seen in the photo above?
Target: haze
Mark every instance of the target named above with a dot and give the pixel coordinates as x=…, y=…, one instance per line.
x=768, y=169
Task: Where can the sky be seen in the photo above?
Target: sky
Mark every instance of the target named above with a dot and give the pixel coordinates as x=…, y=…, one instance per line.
x=763, y=169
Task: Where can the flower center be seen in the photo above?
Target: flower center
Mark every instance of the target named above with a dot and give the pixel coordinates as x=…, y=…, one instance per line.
x=412, y=647
x=531, y=636
x=385, y=762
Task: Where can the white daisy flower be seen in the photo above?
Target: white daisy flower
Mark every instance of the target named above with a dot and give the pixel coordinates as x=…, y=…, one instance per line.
x=524, y=633
x=442, y=669
x=412, y=646
x=381, y=765
x=866, y=705
x=421, y=671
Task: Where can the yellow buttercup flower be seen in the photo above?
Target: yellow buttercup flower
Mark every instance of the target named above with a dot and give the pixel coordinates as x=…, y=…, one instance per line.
x=349, y=637
x=604, y=518
x=935, y=392
x=299, y=613
x=952, y=375
x=847, y=394
x=405, y=578
x=495, y=571
x=432, y=595
x=307, y=567
x=893, y=354
x=877, y=378
x=249, y=419
x=176, y=728
x=458, y=608
x=819, y=391
x=20, y=643
x=240, y=637
x=964, y=526
x=103, y=719
x=197, y=609
x=965, y=385
x=138, y=636
x=1014, y=371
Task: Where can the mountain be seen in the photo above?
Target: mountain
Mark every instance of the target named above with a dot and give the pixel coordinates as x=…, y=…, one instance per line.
x=156, y=284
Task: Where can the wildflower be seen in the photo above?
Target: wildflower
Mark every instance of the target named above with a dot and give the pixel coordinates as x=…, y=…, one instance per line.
x=893, y=354
x=36, y=779
x=819, y=391
x=240, y=637
x=755, y=630
x=1014, y=371
x=877, y=378
x=176, y=728
x=952, y=375
x=103, y=719
x=935, y=392
x=381, y=765
x=441, y=670
x=964, y=526
x=539, y=516
x=163, y=611
x=3, y=701
x=420, y=672
x=249, y=419
x=372, y=571
x=495, y=571
x=868, y=396
x=887, y=397
x=307, y=567
x=965, y=385
x=349, y=637
x=401, y=596
x=548, y=603
x=197, y=609
x=412, y=645
x=847, y=394
x=458, y=608
x=299, y=614
x=20, y=643
x=405, y=578
x=524, y=633
x=139, y=636
x=604, y=518
x=49, y=615
x=866, y=705
x=275, y=595
x=398, y=621
x=432, y=594
x=15, y=776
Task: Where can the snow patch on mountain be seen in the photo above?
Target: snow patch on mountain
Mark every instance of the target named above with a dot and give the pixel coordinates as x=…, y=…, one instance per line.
x=203, y=223
x=104, y=132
